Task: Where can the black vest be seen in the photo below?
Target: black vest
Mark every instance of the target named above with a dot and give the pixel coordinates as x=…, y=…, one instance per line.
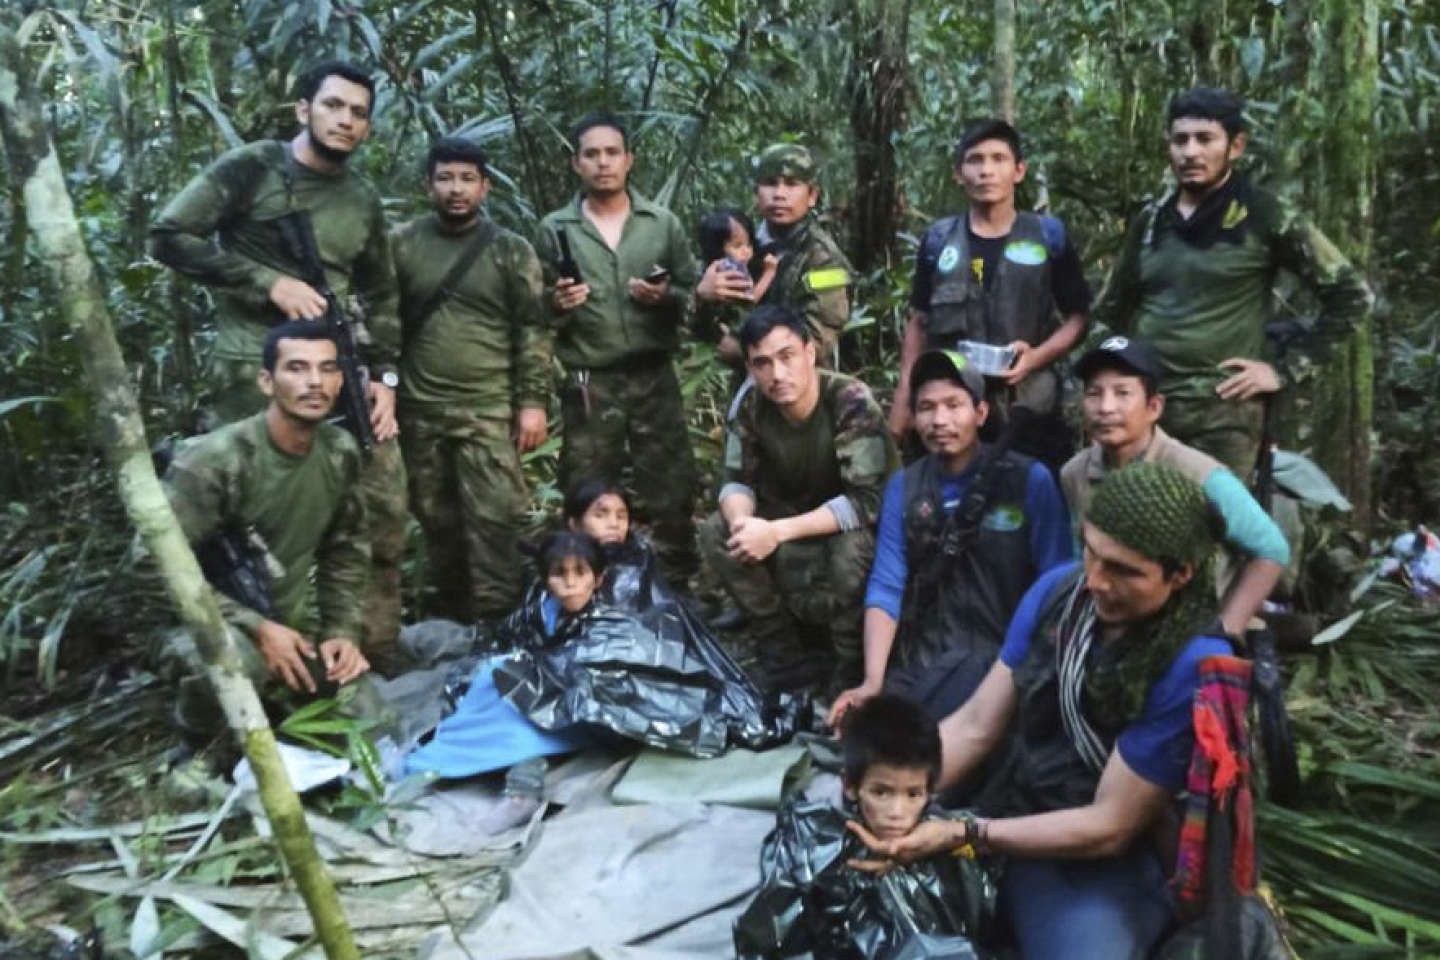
x=1044, y=769
x=1019, y=305
x=964, y=600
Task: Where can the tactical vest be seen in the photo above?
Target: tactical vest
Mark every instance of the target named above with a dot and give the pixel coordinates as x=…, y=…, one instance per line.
x=1044, y=769
x=965, y=600
x=1019, y=305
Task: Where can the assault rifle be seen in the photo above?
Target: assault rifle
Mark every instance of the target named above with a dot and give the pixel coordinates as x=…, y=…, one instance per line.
x=353, y=407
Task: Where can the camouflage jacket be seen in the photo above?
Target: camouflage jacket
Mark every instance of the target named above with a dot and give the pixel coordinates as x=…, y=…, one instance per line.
x=486, y=348
x=220, y=231
x=840, y=456
x=814, y=280
x=1201, y=290
x=308, y=510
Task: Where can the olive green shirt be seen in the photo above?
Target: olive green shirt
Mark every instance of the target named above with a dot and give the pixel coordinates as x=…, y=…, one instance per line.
x=610, y=328
x=220, y=231
x=839, y=457
x=308, y=510
x=486, y=348
x=1201, y=305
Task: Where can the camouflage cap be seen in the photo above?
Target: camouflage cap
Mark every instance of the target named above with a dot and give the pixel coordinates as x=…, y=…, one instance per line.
x=785, y=160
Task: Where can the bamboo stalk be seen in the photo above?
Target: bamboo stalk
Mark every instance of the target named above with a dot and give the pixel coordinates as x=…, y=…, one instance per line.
x=34, y=163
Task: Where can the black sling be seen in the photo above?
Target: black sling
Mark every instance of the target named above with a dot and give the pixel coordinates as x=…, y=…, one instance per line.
x=485, y=234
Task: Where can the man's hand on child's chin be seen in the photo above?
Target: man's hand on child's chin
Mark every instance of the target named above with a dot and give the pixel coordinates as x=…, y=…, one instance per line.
x=929, y=838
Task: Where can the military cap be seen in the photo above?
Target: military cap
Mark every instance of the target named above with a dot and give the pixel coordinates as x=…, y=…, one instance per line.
x=785, y=160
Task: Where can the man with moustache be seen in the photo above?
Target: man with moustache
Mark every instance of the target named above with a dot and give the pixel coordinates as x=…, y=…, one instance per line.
x=221, y=231
x=964, y=531
x=474, y=384
x=289, y=478
x=1195, y=278
x=794, y=536
x=617, y=328
x=997, y=276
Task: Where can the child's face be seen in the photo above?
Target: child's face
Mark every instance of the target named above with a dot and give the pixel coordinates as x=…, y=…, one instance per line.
x=607, y=519
x=891, y=798
x=572, y=582
x=739, y=247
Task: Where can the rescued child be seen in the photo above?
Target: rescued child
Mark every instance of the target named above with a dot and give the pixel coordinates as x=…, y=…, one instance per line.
x=487, y=731
x=812, y=900
x=728, y=235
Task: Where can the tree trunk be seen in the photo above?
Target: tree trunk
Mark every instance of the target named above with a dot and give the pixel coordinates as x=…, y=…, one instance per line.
x=34, y=163
x=879, y=90
x=1344, y=398
x=1002, y=75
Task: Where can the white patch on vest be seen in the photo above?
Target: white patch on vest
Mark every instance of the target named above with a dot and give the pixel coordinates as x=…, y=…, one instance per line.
x=1026, y=252
x=948, y=258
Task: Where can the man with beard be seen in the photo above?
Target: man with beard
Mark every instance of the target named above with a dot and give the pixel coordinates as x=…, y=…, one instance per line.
x=1096, y=686
x=964, y=531
x=474, y=384
x=813, y=277
x=794, y=537
x=618, y=302
x=1195, y=278
x=289, y=478
x=221, y=231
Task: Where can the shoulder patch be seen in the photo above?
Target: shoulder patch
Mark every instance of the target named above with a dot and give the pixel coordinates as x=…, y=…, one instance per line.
x=826, y=278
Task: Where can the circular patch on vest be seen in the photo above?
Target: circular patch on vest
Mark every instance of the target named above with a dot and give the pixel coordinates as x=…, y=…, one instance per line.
x=1004, y=519
x=948, y=258
x=1026, y=252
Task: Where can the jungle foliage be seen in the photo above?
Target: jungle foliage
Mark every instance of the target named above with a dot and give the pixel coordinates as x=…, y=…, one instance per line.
x=142, y=93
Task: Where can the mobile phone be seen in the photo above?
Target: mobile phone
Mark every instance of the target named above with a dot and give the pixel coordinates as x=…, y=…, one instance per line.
x=657, y=275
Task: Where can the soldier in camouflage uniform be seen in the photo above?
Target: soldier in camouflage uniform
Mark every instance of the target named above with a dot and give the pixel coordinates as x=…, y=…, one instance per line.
x=1195, y=278
x=617, y=329
x=814, y=277
x=290, y=477
x=474, y=384
x=805, y=465
x=253, y=277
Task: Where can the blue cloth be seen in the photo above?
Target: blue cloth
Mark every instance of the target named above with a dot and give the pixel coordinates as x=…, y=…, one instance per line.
x=487, y=732
x=1046, y=518
x=1248, y=528
x=1159, y=743
x=1110, y=909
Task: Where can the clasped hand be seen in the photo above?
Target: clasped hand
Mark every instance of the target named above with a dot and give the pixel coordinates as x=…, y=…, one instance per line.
x=285, y=652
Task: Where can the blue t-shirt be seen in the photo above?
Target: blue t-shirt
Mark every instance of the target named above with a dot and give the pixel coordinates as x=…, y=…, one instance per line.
x=1159, y=743
x=1046, y=517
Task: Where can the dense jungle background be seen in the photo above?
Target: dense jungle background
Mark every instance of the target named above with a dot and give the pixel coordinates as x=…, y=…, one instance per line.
x=1343, y=102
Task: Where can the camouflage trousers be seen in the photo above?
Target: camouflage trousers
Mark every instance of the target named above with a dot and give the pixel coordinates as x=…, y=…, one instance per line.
x=468, y=492
x=197, y=712
x=614, y=419
x=818, y=582
x=382, y=483
x=1228, y=430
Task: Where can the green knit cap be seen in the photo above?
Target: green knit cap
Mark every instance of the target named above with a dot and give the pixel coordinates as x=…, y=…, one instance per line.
x=1156, y=510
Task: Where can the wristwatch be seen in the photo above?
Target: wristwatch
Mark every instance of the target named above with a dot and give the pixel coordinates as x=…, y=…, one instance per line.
x=390, y=379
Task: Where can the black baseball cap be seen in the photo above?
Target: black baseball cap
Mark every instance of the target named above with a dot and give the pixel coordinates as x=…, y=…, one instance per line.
x=1125, y=353
x=946, y=365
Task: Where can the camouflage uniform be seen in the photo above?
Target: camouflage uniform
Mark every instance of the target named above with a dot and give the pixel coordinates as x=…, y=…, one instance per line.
x=840, y=459
x=466, y=370
x=620, y=401
x=1201, y=292
x=311, y=516
x=238, y=198
x=814, y=277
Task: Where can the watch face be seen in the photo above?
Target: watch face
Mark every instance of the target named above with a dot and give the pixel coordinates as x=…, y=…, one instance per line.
x=391, y=380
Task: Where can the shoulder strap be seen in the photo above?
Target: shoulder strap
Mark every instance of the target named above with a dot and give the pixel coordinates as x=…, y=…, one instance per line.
x=485, y=234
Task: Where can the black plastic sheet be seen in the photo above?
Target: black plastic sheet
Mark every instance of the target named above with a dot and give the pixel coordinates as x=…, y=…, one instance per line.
x=812, y=904
x=641, y=663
